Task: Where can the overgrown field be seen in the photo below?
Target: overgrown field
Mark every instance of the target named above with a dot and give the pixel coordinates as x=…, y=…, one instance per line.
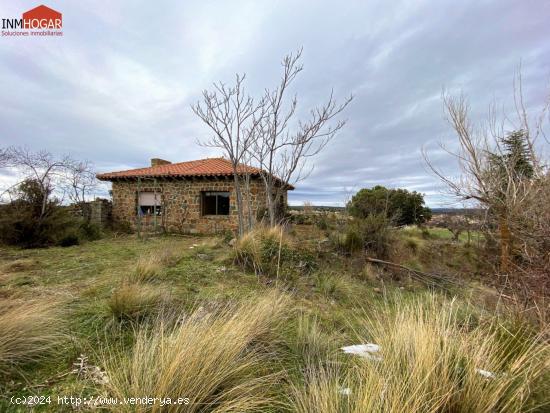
x=259, y=326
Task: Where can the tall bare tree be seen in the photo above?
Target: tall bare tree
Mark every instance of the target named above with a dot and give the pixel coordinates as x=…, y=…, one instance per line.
x=283, y=145
x=490, y=170
x=259, y=131
x=234, y=117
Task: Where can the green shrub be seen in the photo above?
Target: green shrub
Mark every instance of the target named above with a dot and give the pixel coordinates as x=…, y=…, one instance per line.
x=90, y=231
x=69, y=240
x=27, y=223
x=404, y=207
x=373, y=234
x=353, y=239
x=322, y=222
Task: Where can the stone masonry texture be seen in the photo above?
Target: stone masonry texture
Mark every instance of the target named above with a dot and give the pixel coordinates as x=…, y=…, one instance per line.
x=181, y=204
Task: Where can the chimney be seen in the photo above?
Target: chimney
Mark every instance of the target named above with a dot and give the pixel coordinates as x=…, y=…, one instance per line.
x=158, y=162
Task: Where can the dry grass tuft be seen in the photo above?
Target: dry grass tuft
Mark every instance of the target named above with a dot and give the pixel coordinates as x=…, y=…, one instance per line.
x=310, y=344
x=29, y=331
x=432, y=360
x=149, y=267
x=261, y=249
x=20, y=265
x=134, y=301
x=217, y=360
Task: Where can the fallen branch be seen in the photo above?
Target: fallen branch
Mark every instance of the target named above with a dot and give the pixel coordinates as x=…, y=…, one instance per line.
x=424, y=277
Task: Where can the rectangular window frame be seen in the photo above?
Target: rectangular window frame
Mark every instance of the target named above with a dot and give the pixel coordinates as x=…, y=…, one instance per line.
x=218, y=205
x=147, y=206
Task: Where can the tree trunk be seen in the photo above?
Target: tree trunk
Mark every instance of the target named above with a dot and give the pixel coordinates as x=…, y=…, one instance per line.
x=271, y=209
x=505, y=244
x=239, y=204
x=249, y=218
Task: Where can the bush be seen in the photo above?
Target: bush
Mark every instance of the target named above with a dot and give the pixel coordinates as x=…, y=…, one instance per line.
x=30, y=330
x=69, y=240
x=19, y=226
x=26, y=223
x=373, y=234
x=90, y=231
x=400, y=205
x=431, y=359
x=218, y=360
x=323, y=222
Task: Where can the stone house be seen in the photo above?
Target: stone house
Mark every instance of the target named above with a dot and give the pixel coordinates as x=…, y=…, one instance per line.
x=189, y=197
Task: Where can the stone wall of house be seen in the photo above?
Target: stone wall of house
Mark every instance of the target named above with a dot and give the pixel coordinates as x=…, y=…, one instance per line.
x=181, y=204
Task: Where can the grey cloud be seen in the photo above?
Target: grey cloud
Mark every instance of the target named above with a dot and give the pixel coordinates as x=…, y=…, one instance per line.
x=116, y=89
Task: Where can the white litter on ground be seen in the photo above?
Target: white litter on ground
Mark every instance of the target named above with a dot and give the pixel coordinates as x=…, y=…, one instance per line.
x=346, y=391
x=363, y=350
x=486, y=374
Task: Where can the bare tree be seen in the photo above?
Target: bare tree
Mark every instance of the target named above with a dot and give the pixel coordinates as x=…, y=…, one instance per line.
x=490, y=172
x=4, y=157
x=79, y=180
x=53, y=175
x=280, y=150
x=248, y=130
x=41, y=167
x=234, y=118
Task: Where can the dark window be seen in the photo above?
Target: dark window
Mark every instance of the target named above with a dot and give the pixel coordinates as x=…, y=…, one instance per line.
x=149, y=203
x=215, y=203
x=150, y=209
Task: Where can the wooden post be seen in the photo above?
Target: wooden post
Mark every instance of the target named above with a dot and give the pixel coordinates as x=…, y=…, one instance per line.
x=155, y=204
x=138, y=208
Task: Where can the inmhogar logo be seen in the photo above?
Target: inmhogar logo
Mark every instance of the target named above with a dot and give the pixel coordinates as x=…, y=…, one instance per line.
x=40, y=21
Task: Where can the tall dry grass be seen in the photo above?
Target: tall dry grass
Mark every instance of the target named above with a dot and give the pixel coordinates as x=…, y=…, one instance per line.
x=263, y=249
x=217, y=360
x=433, y=360
x=150, y=266
x=133, y=301
x=29, y=331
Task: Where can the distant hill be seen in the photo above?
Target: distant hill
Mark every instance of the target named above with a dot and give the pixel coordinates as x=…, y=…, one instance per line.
x=455, y=211
x=435, y=211
x=317, y=208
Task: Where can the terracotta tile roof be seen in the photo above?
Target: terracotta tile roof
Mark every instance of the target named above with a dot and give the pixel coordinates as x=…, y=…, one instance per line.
x=201, y=167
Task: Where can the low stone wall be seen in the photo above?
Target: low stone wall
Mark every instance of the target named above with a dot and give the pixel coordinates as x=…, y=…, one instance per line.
x=98, y=211
x=181, y=204
x=101, y=212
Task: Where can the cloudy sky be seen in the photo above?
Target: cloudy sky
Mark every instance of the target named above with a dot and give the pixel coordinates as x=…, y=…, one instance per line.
x=117, y=87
